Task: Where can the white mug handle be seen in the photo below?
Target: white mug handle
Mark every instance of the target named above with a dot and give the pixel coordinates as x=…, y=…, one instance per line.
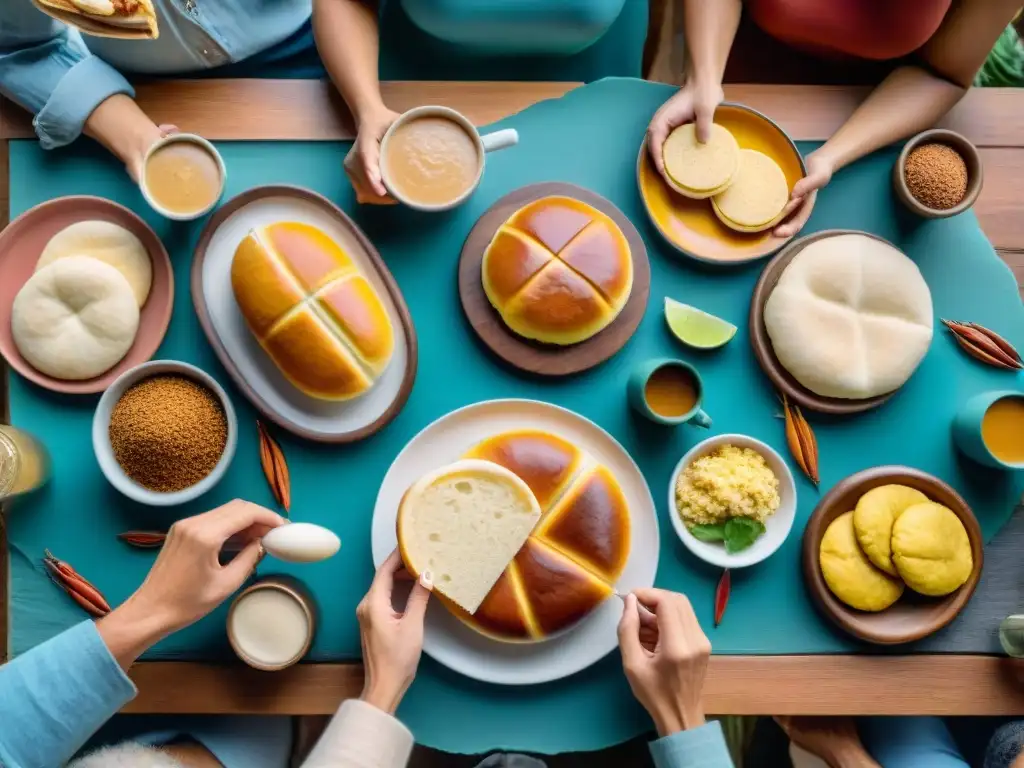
x=507, y=137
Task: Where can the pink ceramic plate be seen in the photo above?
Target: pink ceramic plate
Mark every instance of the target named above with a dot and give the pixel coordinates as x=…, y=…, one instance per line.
x=20, y=246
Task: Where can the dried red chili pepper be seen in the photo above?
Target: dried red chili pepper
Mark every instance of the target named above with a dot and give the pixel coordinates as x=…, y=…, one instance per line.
x=722, y=592
x=143, y=539
x=77, y=587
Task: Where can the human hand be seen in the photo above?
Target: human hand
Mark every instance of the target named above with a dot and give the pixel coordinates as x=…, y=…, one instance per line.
x=362, y=163
x=805, y=192
x=833, y=739
x=691, y=103
x=392, y=641
x=147, y=138
x=665, y=669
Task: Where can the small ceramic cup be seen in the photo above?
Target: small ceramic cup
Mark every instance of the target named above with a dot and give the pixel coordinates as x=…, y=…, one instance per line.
x=490, y=142
x=194, y=139
x=966, y=150
x=967, y=428
x=636, y=392
x=285, y=599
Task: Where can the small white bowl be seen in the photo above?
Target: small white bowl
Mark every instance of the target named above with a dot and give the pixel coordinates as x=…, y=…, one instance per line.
x=777, y=527
x=105, y=452
x=192, y=138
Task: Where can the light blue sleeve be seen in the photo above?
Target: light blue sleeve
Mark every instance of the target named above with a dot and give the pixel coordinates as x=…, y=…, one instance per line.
x=910, y=742
x=46, y=68
x=56, y=696
x=702, y=747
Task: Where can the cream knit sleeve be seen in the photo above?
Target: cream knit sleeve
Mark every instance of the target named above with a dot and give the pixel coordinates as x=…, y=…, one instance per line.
x=361, y=736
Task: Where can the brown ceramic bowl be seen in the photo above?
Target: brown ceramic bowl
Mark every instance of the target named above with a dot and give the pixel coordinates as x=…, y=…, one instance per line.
x=762, y=344
x=913, y=616
x=23, y=241
x=971, y=156
x=294, y=589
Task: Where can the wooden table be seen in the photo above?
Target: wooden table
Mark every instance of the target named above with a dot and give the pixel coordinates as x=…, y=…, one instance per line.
x=915, y=684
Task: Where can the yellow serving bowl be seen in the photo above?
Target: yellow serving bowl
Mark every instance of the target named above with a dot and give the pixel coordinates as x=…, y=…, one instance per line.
x=691, y=226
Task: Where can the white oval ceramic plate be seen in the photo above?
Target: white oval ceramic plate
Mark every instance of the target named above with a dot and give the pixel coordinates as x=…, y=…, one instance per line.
x=253, y=371
x=777, y=527
x=447, y=639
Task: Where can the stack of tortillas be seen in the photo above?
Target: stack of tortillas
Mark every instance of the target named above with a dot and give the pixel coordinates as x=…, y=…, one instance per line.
x=748, y=189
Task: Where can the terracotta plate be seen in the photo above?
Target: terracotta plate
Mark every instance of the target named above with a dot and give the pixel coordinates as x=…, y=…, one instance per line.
x=913, y=616
x=690, y=226
x=23, y=241
x=762, y=345
x=254, y=373
x=532, y=356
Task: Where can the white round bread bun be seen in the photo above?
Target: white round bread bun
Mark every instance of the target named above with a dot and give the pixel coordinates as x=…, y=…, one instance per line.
x=75, y=318
x=109, y=243
x=464, y=523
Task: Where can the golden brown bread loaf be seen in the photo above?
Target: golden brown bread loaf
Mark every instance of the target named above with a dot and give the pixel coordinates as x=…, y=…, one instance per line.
x=575, y=554
x=310, y=308
x=558, y=271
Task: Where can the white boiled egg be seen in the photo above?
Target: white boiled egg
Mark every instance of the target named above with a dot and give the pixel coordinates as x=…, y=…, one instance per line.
x=301, y=543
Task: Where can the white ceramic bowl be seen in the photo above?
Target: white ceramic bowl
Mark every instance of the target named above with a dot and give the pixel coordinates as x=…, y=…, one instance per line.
x=105, y=452
x=777, y=526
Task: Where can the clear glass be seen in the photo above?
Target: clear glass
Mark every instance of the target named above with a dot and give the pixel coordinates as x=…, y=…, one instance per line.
x=1011, y=636
x=24, y=463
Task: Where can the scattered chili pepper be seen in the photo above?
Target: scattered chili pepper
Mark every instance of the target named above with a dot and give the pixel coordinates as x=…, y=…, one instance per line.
x=985, y=345
x=722, y=592
x=275, y=468
x=77, y=587
x=801, y=440
x=143, y=539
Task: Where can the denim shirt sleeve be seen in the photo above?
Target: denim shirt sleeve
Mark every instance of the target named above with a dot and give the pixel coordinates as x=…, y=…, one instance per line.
x=56, y=696
x=702, y=747
x=46, y=68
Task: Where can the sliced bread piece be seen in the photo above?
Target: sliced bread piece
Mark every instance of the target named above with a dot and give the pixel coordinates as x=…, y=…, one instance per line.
x=465, y=523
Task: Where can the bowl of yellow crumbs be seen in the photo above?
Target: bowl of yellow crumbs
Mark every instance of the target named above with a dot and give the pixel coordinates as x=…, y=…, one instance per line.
x=732, y=500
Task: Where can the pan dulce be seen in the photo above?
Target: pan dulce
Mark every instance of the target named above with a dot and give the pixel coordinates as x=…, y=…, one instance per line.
x=431, y=160
x=183, y=177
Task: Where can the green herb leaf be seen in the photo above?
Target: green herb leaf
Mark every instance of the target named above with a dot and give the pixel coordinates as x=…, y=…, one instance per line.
x=708, y=532
x=741, y=532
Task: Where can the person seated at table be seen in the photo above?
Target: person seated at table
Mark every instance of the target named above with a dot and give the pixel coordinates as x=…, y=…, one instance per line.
x=942, y=45
x=75, y=83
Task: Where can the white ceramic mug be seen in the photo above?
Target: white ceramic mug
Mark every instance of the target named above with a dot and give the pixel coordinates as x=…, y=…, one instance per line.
x=490, y=142
x=194, y=139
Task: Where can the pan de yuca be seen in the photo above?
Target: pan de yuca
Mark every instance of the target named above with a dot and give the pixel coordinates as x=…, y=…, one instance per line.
x=558, y=271
x=310, y=308
x=758, y=193
x=700, y=170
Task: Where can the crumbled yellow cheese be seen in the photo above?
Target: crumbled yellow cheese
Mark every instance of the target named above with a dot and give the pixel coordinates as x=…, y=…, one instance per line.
x=728, y=482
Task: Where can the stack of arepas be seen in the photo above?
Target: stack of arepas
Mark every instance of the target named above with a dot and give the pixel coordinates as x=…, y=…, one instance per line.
x=558, y=271
x=748, y=189
x=895, y=537
x=312, y=310
x=569, y=559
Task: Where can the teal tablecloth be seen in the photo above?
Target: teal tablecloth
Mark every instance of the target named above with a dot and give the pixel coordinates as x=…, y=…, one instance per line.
x=590, y=138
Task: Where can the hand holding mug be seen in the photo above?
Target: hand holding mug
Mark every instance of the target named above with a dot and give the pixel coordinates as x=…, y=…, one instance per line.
x=362, y=163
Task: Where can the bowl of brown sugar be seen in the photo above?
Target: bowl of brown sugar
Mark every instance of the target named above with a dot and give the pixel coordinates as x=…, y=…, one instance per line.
x=938, y=174
x=164, y=433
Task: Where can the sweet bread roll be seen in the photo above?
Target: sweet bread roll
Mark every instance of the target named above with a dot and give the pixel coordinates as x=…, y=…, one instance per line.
x=558, y=271
x=576, y=553
x=310, y=308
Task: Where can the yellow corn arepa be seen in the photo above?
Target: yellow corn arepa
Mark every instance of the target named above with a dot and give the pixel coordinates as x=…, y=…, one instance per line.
x=931, y=549
x=757, y=195
x=849, y=574
x=312, y=310
x=701, y=170
x=873, y=519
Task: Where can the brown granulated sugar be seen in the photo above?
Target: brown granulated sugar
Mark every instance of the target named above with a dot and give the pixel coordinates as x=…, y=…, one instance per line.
x=168, y=432
x=936, y=175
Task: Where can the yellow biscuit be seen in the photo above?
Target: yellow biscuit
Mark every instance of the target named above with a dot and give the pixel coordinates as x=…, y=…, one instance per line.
x=849, y=574
x=876, y=511
x=931, y=549
x=701, y=170
x=757, y=195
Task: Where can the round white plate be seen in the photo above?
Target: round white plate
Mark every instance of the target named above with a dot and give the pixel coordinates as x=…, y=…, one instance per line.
x=251, y=368
x=777, y=527
x=450, y=641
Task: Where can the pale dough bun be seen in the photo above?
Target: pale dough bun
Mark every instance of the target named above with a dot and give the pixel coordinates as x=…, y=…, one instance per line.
x=701, y=170
x=465, y=523
x=75, y=319
x=757, y=195
x=851, y=317
x=109, y=243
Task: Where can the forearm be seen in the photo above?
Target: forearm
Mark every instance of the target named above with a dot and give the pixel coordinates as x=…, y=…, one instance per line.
x=361, y=735
x=132, y=629
x=852, y=756
x=710, y=30
x=909, y=100
x=120, y=125
x=348, y=40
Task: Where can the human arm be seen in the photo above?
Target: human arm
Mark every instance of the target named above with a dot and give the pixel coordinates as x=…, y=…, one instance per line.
x=710, y=30
x=348, y=40
x=665, y=655
x=911, y=99
x=833, y=739
x=54, y=697
x=364, y=733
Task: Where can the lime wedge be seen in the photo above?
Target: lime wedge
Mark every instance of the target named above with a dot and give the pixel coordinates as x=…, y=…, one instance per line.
x=696, y=327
